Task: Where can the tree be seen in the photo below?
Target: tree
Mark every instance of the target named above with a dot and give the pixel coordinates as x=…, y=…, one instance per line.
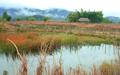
x=32, y=19
x=113, y=22
x=27, y=18
x=47, y=18
x=106, y=20
x=95, y=17
x=18, y=19
x=7, y=17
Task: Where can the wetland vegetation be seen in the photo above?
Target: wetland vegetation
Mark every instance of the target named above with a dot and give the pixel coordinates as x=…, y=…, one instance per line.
x=43, y=40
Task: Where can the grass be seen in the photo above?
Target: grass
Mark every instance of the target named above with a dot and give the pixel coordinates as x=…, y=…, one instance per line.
x=32, y=40
x=107, y=68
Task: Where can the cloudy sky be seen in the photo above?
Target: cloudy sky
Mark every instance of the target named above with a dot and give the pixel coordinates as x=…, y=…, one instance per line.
x=106, y=6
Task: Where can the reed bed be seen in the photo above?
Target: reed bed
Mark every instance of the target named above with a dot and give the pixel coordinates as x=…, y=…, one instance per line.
x=32, y=41
x=24, y=41
x=105, y=68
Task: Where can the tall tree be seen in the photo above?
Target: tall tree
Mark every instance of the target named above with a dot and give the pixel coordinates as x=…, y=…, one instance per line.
x=95, y=17
x=7, y=17
x=27, y=18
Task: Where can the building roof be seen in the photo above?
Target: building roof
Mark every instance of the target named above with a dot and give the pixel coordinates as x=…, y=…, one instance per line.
x=83, y=19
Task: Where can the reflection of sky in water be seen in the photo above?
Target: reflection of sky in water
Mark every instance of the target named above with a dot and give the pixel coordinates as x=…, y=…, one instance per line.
x=69, y=56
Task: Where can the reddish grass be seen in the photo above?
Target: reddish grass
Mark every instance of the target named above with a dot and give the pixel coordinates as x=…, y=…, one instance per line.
x=97, y=26
x=19, y=39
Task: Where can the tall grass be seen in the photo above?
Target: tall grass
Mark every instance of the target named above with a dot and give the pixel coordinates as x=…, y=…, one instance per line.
x=32, y=40
x=42, y=69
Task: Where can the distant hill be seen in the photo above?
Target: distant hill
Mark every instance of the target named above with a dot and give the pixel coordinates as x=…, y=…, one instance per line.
x=37, y=17
x=116, y=19
x=55, y=13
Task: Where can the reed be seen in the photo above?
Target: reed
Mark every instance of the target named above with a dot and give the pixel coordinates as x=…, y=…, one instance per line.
x=42, y=69
x=32, y=40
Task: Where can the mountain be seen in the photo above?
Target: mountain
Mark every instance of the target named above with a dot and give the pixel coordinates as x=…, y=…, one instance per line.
x=116, y=19
x=55, y=13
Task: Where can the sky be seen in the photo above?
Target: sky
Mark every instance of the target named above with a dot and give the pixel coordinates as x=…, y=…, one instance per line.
x=110, y=7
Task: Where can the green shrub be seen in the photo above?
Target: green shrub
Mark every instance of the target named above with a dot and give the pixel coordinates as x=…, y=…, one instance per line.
x=32, y=19
x=1, y=25
x=18, y=19
x=47, y=18
x=33, y=27
x=2, y=19
x=17, y=29
x=117, y=39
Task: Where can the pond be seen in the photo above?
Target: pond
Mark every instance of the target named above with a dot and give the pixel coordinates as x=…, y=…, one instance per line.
x=72, y=56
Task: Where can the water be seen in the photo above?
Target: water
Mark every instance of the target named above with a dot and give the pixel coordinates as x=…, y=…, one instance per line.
x=70, y=57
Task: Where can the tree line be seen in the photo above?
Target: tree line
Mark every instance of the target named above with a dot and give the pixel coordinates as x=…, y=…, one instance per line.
x=93, y=16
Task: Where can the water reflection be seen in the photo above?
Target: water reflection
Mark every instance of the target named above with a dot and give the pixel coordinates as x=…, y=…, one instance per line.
x=70, y=54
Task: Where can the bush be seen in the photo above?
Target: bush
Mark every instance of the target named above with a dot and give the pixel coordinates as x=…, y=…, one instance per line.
x=17, y=29
x=46, y=19
x=18, y=19
x=2, y=19
x=117, y=39
x=32, y=19
x=1, y=25
x=33, y=27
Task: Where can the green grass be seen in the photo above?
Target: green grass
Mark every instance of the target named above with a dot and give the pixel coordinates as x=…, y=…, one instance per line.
x=75, y=39
x=64, y=39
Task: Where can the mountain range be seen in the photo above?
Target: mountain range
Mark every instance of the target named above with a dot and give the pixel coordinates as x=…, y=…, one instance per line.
x=57, y=14
x=54, y=13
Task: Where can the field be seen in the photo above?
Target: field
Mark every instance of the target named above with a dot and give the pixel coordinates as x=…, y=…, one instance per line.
x=44, y=36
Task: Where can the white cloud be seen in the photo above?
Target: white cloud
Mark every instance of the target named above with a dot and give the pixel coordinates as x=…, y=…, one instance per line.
x=11, y=4
x=25, y=12
x=97, y=5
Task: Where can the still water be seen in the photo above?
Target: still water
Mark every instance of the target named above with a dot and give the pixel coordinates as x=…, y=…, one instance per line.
x=71, y=56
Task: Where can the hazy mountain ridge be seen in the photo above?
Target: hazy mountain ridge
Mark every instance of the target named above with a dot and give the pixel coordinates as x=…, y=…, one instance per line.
x=57, y=14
